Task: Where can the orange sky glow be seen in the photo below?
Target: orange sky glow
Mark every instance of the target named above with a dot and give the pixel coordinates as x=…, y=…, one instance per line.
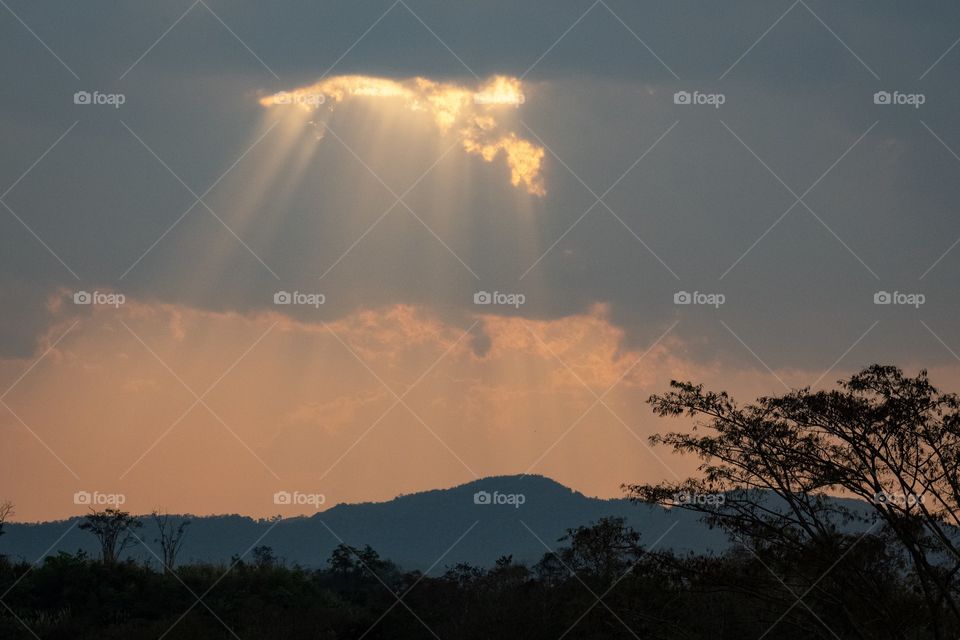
x=205, y=412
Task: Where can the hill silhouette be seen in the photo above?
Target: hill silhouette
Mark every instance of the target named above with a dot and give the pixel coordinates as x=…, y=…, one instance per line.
x=414, y=530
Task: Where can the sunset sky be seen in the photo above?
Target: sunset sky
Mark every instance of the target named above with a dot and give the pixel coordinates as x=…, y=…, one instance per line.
x=386, y=163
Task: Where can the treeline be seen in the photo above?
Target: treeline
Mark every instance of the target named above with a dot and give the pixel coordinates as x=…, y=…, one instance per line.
x=599, y=583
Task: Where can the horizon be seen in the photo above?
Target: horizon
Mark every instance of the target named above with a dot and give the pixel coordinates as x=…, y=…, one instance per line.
x=326, y=506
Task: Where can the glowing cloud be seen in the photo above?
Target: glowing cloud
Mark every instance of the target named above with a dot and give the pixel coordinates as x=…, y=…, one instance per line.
x=474, y=115
x=298, y=399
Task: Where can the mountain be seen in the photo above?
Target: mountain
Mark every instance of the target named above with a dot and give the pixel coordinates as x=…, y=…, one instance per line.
x=475, y=522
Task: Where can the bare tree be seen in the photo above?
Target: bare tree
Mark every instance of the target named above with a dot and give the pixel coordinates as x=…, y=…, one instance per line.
x=171, y=537
x=6, y=510
x=114, y=531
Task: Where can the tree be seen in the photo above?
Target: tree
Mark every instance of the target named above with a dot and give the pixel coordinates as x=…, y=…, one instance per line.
x=264, y=557
x=171, y=538
x=772, y=471
x=352, y=564
x=6, y=510
x=507, y=574
x=605, y=549
x=113, y=529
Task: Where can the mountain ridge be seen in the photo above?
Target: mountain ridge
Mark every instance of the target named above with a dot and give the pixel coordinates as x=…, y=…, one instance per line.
x=433, y=528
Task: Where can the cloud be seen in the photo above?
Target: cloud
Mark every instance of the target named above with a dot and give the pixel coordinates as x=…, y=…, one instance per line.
x=598, y=99
x=309, y=400
x=475, y=116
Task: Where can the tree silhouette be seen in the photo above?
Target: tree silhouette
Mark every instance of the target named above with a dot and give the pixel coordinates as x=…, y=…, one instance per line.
x=171, y=537
x=352, y=566
x=264, y=557
x=605, y=549
x=772, y=471
x=113, y=529
x=6, y=510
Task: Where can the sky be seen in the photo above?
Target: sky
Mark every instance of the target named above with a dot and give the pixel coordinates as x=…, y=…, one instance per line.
x=361, y=249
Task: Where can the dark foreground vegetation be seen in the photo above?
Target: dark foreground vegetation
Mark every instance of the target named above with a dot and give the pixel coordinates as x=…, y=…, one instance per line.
x=618, y=592
x=803, y=564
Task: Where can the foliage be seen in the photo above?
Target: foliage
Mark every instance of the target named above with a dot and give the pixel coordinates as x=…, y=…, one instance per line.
x=772, y=472
x=606, y=586
x=113, y=529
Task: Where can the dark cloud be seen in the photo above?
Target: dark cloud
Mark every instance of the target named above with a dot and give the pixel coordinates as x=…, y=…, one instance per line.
x=800, y=99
